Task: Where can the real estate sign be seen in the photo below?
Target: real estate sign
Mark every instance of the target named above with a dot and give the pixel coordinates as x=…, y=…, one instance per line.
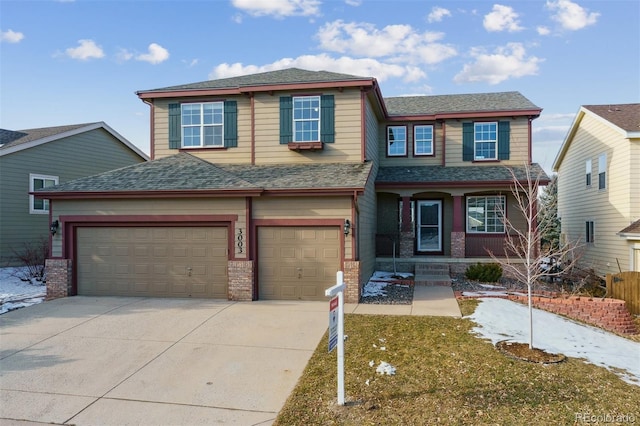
x=333, y=323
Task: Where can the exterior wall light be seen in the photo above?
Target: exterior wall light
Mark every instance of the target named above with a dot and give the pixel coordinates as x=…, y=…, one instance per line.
x=347, y=226
x=54, y=227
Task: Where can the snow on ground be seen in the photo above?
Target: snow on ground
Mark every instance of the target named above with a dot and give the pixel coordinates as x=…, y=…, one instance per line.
x=500, y=319
x=379, y=280
x=15, y=293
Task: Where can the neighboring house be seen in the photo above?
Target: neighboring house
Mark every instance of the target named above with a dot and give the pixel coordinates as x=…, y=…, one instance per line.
x=39, y=158
x=264, y=186
x=598, y=168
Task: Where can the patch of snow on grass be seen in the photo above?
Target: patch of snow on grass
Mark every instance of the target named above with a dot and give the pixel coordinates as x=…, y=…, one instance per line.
x=386, y=368
x=15, y=293
x=500, y=319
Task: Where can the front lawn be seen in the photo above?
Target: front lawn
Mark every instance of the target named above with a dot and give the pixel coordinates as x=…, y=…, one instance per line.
x=446, y=375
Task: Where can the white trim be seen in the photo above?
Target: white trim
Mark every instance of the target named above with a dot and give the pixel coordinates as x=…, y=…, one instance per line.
x=306, y=120
x=33, y=176
x=415, y=140
x=419, y=225
x=476, y=141
x=79, y=130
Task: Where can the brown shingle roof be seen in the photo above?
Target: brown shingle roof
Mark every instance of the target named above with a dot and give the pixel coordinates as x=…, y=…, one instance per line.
x=634, y=228
x=443, y=104
x=10, y=138
x=624, y=116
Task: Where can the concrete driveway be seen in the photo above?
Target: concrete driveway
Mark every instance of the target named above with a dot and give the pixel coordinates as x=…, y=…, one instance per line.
x=119, y=361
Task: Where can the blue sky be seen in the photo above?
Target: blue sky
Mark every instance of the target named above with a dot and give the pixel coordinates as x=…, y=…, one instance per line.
x=68, y=62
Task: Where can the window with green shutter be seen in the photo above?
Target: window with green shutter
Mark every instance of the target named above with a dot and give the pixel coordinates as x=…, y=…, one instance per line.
x=307, y=119
x=203, y=125
x=485, y=141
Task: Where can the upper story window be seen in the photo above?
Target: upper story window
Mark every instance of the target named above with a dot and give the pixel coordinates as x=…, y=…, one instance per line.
x=422, y=140
x=396, y=141
x=588, y=172
x=202, y=125
x=306, y=118
x=486, y=141
x=485, y=137
x=485, y=214
x=39, y=205
x=602, y=171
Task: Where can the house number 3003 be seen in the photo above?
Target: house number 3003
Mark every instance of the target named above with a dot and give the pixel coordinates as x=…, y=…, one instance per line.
x=240, y=241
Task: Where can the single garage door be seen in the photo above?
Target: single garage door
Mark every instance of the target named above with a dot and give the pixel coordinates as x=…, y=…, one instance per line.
x=297, y=263
x=152, y=261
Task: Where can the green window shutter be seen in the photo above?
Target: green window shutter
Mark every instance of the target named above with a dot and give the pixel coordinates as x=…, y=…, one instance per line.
x=327, y=115
x=175, y=125
x=286, y=119
x=503, y=140
x=230, y=124
x=467, y=142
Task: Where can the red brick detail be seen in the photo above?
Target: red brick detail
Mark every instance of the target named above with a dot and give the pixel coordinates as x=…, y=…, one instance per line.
x=609, y=314
x=458, y=240
x=58, y=273
x=351, y=272
x=406, y=244
x=241, y=275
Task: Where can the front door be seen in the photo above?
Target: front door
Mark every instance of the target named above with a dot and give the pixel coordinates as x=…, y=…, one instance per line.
x=429, y=232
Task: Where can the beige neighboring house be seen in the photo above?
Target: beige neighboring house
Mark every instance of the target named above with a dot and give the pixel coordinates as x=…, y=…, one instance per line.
x=598, y=168
x=38, y=158
x=264, y=186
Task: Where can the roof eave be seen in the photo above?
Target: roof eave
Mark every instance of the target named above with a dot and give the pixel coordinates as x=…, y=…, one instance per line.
x=469, y=184
x=532, y=113
x=239, y=90
x=198, y=193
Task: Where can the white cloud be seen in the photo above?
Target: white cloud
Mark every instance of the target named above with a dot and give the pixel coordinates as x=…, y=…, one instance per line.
x=502, y=18
x=401, y=43
x=156, y=55
x=86, y=50
x=571, y=16
x=437, y=13
x=353, y=2
x=365, y=67
x=506, y=62
x=123, y=55
x=11, y=36
x=279, y=8
x=543, y=31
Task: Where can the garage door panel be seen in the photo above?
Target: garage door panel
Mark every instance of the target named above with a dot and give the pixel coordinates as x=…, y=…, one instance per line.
x=297, y=263
x=153, y=261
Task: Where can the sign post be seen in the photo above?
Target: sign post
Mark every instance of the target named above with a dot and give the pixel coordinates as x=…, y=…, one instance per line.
x=336, y=335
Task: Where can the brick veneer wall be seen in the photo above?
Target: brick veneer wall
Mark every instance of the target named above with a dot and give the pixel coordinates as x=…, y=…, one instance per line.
x=406, y=244
x=458, y=241
x=609, y=314
x=352, y=281
x=58, y=273
x=241, y=276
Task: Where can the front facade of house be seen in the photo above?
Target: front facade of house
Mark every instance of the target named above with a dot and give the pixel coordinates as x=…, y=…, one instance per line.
x=264, y=186
x=598, y=170
x=38, y=158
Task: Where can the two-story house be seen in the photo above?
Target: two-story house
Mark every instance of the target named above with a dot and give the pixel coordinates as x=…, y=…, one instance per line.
x=264, y=186
x=598, y=168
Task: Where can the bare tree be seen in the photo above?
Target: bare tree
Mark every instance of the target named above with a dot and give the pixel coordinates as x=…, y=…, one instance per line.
x=535, y=260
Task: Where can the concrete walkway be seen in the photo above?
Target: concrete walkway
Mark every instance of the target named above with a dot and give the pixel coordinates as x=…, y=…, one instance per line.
x=427, y=300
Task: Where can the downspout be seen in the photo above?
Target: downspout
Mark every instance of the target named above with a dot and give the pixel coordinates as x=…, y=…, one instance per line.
x=355, y=219
x=363, y=128
x=530, y=141
x=444, y=143
x=253, y=128
x=152, y=144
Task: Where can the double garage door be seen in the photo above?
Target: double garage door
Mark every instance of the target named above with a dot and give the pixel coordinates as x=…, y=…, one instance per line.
x=152, y=261
x=297, y=263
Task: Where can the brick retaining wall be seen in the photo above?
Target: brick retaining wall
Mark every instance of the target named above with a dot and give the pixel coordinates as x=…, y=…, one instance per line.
x=241, y=277
x=609, y=314
x=58, y=273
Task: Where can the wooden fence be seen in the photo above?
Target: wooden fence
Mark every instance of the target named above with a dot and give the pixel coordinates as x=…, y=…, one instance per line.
x=625, y=286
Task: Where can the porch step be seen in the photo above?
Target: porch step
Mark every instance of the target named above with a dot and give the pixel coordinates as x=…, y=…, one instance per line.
x=429, y=274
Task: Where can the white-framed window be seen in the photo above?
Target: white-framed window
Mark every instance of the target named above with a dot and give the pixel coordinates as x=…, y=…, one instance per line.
x=588, y=172
x=423, y=140
x=485, y=214
x=397, y=141
x=602, y=171
x=589, y=234
x=306, y=118
x=36, y=181
x=485, y=141
x=202, y=124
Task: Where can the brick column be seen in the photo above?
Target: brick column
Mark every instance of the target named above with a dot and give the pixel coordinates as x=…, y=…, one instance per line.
x=406, y=244
x=351, y=272
x=458, y=237
x=241, y=274
x=59, y=274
